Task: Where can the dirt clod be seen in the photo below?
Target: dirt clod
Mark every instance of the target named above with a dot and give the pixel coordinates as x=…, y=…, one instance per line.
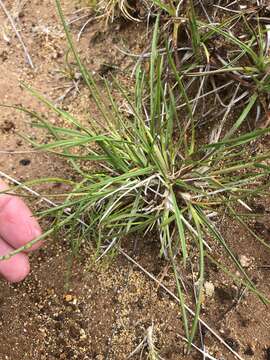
x=249, y=351
x=7, y=126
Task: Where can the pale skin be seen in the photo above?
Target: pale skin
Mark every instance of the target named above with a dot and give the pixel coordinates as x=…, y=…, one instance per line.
x=17, y=228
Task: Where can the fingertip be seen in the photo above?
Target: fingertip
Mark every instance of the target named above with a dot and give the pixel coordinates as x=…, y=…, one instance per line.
x=18, y=226
x=16, y=268
x=21, y=272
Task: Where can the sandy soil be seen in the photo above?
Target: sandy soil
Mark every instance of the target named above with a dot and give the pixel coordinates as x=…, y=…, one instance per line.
x=104, y=310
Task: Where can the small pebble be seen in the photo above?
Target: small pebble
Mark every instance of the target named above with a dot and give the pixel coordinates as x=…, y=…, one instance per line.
x=68, y=297
x=245, y=261
x=209, y=289
x=25, y=162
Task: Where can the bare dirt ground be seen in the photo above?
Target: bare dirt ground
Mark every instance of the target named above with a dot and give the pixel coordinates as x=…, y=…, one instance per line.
x=105, y=310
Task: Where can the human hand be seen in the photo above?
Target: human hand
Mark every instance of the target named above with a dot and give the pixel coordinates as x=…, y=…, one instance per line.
x=17, y=228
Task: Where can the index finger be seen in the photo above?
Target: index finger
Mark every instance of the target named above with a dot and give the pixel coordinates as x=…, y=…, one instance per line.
x=17, y=223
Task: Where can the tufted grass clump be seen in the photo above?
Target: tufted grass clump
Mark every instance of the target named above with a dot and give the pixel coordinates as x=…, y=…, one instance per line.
x=156, y=170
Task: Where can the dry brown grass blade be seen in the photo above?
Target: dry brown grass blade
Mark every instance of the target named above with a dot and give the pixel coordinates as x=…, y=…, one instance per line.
x=12, y=23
